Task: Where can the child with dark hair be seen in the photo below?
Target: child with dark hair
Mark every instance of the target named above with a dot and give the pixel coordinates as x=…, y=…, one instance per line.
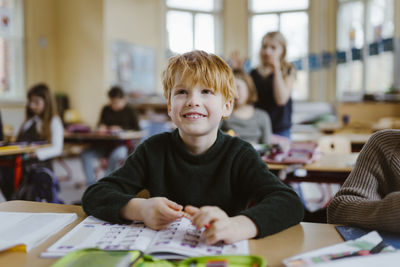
x=1, y=129
x=117, y=116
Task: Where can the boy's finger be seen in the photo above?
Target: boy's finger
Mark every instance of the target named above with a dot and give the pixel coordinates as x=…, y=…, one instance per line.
x=174, y=205
x=191, y=210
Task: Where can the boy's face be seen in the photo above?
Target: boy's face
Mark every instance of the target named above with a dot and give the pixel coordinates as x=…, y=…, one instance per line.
x=117, y=103
x=197, y=111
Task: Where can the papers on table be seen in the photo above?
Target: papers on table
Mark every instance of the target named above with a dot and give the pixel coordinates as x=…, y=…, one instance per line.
x=24, y=231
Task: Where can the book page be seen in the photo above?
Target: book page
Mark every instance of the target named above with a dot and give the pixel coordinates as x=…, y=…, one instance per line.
x=182, y=238
x=96, y=233
x=30, y=229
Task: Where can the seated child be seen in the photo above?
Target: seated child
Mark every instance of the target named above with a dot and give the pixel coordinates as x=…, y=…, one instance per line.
x=197, y=169
x=370, y=196
x=42, y=124
x=247, y=122
x=116, y=116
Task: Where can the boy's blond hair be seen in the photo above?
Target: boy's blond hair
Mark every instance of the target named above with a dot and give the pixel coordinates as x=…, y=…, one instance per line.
x=199, y=67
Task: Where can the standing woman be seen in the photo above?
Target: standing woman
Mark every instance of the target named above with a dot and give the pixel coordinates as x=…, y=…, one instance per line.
x=274, y=79
x=42, y=123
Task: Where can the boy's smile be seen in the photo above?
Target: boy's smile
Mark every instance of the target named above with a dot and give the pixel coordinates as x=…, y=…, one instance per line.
x=197, y=112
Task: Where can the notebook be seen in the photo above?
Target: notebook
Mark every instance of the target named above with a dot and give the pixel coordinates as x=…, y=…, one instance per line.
x=363, y=251
x=180, y=240
x=23, y=231
x=350, y=233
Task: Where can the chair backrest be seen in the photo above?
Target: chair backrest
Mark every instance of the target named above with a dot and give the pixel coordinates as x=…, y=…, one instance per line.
x=334, y=144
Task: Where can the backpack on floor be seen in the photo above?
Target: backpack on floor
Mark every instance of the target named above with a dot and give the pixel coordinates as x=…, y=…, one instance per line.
x=38, y=184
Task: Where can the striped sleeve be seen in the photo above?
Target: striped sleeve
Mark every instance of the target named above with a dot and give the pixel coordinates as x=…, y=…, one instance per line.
x=370, y=196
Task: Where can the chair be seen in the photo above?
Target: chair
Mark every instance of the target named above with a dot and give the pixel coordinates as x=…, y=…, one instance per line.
x=334, y=144
x=327, y=145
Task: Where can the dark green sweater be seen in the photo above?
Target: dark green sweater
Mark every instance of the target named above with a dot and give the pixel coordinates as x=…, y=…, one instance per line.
x=229, y=175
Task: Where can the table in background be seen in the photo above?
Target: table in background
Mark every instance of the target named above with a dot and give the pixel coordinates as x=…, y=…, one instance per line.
x=10, y=150
x=129, y=138
x=357, y=139
x=297, y=239
x=330, y=168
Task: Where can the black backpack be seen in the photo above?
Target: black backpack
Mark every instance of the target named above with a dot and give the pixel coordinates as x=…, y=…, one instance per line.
x=38, y=183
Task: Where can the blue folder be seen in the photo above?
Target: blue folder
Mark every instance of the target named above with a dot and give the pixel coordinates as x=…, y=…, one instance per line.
x=350, y=233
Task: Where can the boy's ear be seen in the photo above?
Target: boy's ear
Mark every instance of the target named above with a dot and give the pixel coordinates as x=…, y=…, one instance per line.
x=169, y=109
x=227, y=108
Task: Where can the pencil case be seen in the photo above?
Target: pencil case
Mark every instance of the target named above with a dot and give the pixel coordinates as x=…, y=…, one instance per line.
x=93, y=257
x=224, y=261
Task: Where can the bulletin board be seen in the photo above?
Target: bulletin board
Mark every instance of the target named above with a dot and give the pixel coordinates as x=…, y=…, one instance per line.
x=133, y=67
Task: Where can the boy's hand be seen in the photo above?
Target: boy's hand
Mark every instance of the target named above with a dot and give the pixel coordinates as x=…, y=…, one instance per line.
x=102, y=128
x=159, y=212
x=219, y=226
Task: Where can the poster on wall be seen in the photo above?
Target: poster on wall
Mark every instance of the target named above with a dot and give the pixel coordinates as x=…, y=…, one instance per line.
x=133, y=67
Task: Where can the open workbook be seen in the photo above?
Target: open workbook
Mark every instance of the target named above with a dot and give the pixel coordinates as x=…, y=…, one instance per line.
x=181, y=239
x=24, y=230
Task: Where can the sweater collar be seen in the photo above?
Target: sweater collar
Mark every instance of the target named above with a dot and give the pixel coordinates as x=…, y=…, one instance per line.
x=209, y=155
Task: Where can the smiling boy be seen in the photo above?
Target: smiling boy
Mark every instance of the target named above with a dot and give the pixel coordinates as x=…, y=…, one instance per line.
x=197, y=169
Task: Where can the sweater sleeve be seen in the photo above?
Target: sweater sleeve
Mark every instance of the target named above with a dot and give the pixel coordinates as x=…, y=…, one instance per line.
x=266, y=127
x=56, y=141
x=277, y=207
x=370, y=196
x=108, y=196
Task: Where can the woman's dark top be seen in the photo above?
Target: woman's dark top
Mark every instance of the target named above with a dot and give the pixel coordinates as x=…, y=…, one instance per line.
x=1, y=129
x=281, y=116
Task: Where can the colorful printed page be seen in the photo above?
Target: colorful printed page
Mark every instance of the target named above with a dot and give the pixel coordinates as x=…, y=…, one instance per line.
x=23, y=231
x=180, y=238
x=368, y=245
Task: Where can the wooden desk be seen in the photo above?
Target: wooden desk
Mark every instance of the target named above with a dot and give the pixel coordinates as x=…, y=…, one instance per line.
x=297, y=239
x=17, y=150
x=330, y=168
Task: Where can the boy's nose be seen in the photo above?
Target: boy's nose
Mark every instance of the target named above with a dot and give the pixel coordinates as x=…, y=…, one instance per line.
x=193, y=100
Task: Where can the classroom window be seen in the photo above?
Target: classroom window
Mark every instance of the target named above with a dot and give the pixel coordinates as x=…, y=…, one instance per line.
x=11, y=51
x=193, y=24
x=291, y=18
x=365, y=30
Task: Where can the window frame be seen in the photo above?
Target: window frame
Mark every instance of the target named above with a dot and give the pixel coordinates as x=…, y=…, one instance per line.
x=341, y=94
x=218, y=30
x=16, y=96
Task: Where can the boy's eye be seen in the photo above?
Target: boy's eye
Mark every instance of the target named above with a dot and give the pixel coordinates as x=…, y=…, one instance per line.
x=180, y=91
x=207, y=91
